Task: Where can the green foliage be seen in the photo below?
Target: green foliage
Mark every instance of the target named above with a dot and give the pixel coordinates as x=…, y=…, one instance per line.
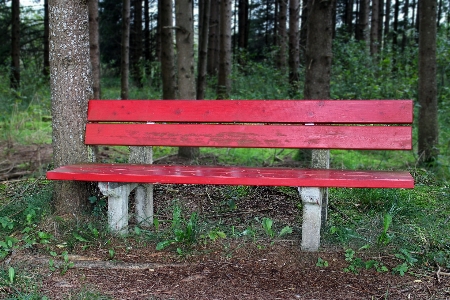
x=321, y=263
x=356, y=264
x=267, y=224
x=183, y=232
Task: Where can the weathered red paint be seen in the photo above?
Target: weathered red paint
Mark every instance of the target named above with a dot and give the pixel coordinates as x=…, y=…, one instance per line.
x=339, y=124
x=232, y=176
x=251, y=136
x=248, y=111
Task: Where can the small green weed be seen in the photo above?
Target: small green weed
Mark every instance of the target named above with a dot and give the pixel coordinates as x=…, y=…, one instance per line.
x=408, y=261
x=321, y=263
x=64, y=266
x=183, y=233
x=356, y=264
x=267, y=224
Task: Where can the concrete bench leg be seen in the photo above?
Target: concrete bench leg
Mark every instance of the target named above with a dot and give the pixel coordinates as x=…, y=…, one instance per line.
x=312, y=209
x=144, y=204
x=117, y=194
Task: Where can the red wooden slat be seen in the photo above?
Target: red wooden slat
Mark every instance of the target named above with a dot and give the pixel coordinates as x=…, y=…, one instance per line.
x=266, y=111
x=251, y=136
x=232, y=176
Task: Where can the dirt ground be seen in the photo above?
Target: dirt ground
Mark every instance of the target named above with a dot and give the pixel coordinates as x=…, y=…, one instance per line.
x=225, y=269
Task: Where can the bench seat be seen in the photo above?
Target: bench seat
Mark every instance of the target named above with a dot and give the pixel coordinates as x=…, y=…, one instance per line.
x=230, y=175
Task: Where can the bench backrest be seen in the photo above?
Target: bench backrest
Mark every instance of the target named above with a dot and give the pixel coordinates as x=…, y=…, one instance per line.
x=314, y=124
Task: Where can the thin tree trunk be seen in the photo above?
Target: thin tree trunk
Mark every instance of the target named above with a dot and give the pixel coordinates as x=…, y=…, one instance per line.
x=94, y=47
x=349, y=17
x=137, y=44
x=167, y=55
x=428, y=112
x=282, y=35
x=395, y=25
x=380, y=23
x=125, y=61
x=374, y=40
x=15, y=44
x=387, y=21
x=405, y=25
x=224, y=81
x=294, y=62
x=147, y=41
x=203, y=49
x=213, y=41
x=303, y=28
x=243, y=23
x=46, y=68
x=69, y=59
x=363, y=22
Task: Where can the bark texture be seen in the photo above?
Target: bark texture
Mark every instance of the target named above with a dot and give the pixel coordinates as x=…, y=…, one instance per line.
x=15, y=44
x=318, y=71
x=224, y=81
x=125, y=53
x=282, y=35
x=94, y=47
x=203, y=49
x=71, y=88
x=294, y=50
x=185, y=60
x=167, y=55
x=428, y=112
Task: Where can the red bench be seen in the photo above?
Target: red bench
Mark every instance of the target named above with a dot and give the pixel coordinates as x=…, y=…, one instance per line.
x=337, y=124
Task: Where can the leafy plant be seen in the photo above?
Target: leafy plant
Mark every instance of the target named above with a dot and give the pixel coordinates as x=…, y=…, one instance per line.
x=267, y=224
x=321, y=263
x=183, y=232
x=408, y=259
x=384, y=237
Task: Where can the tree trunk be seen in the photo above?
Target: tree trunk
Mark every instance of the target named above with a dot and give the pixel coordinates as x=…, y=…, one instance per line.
x=15, y=44
x=167, y=55
x=185, y=60
x=405, y=25
x=294, y=62
x=136, y=53
x=243, y=24
x=46, y=68
x=303, y=28
x=203, y=49
x=380, y=23
x=125, y=60
x=282, y=35
x=349, y=17
x=147, y=41
x=428, y=112
x=69, y=60
x=94, y=47
x=318, y=71
x=213, y=42
x=395, y=25
x=387, y=21
x=224, y=81
x=362, y=32
x=374, y=40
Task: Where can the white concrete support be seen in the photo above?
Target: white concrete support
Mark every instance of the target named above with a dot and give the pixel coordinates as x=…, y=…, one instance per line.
x=144, y=204
x=117, y=194
x=312, y=209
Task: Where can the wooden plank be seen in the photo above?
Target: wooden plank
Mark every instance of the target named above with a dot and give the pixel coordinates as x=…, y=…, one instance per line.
x=251, y=136
x=178, y=174
x=265, y=111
